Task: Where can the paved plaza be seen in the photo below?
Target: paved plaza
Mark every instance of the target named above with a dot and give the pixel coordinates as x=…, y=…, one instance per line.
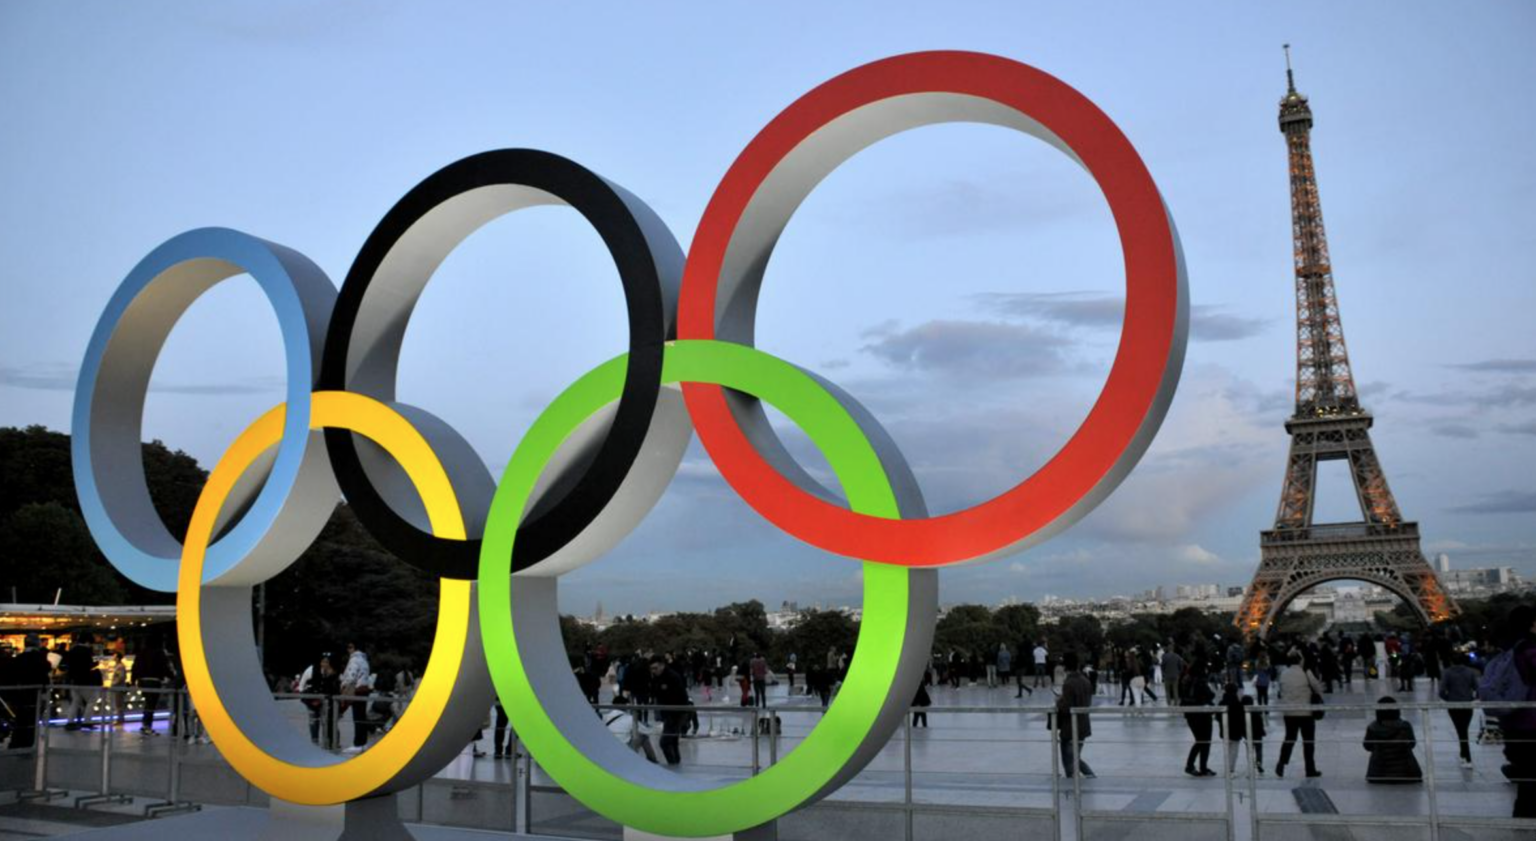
x=985, y=754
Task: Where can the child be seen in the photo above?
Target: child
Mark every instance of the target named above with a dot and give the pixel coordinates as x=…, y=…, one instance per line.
x=1243, y=723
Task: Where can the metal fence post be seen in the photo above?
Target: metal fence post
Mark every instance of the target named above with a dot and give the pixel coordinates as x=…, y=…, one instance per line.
x=1427, y=724
x=1253, y=773
x=1077, y=772
x=40, y=721
x=907, y=769
x=1055, y=781
x=774, y=723
x=756, y=760
x=1230, y=764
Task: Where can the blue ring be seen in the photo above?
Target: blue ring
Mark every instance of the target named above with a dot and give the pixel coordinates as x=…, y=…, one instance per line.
x=300, y=295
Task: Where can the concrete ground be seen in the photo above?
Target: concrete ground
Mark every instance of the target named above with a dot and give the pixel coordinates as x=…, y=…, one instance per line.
x=1001, y=761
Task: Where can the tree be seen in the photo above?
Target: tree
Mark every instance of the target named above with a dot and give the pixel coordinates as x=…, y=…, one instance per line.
x=1083, y=634
x=815, y=633
x=1020, y=623
x=45, y=548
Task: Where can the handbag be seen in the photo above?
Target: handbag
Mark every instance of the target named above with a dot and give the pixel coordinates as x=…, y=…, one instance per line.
x=1316, y=700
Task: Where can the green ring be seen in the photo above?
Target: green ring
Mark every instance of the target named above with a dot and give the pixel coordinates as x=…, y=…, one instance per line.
x=827, y=750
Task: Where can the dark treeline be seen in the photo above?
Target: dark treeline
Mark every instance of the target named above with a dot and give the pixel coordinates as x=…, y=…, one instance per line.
x=345, y=587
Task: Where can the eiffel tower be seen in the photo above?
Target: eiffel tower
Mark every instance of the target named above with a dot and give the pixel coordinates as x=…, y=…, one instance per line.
x=1296, y=555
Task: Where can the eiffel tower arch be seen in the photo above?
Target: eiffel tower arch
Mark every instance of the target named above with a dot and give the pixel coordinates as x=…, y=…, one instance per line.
x=1329, y=424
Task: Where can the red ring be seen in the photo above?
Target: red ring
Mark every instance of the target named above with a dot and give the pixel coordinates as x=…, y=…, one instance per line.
x=1150, y=338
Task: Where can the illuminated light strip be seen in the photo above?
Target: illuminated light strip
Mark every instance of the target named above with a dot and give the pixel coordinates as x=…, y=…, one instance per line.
x=574, y=747
x=314, y=776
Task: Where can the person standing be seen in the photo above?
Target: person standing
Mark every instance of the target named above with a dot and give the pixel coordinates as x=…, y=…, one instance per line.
x=1173, y=670
x=921, y=702
x=1263, y=675
x=1197, y=693
x=28, y=671
x=1004, y=663
x=1299, y=687
x=1458, y=685
x=668, y=690
x=759, y=667
x=152, y=672
x=79, y=665
x=789, y=669
x=117, y=689
x=356, y=683
x=1040, y=655
x=1235, y=663
x=1519, y=725
x=1073, y=729
x=323, y=681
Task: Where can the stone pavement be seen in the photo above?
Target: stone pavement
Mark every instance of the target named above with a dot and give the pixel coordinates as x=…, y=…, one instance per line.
x=1000, y=762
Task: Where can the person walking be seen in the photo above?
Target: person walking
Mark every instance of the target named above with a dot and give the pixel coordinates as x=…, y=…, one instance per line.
x=1076, y=692
x=1390, y=742
x=1458, y=685
x=790, y=666
x=1040, y=655
x=1299, y=687
x=1173, y=670
x=1019, y=672
x=1004, y=663
x=1197, y=693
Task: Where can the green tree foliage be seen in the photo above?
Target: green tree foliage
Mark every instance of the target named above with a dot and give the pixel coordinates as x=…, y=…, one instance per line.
x=969, y=629
x=346, y=588
x=35, y=464
x=47, y=549
x=1083, y=634
x=815, y=633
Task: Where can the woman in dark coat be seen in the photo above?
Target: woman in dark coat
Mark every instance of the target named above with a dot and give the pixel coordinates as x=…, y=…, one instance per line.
x=1391, y=742
x=1197, y=693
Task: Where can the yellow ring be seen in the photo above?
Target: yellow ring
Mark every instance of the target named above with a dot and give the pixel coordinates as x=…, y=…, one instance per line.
x=376, y=767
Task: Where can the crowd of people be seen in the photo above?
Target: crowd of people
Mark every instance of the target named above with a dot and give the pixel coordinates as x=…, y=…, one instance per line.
x=1226, y=690
x=1301, y=674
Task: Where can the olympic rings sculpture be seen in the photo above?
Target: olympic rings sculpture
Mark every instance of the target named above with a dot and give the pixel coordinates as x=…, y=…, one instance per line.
x=598, y=458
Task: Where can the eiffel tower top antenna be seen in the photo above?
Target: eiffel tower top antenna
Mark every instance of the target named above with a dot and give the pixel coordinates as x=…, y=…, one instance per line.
x=1290, y=78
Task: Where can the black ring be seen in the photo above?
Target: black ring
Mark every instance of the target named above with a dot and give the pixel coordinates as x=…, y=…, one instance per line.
x=609, y=210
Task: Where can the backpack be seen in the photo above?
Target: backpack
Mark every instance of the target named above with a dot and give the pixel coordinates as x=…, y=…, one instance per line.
x=1502, y=682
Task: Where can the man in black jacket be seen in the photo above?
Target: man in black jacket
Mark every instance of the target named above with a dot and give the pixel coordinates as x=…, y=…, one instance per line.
x=152, y=671
x=668, y=689
x=1076, y=692
x=30, y=668
x=80, y=674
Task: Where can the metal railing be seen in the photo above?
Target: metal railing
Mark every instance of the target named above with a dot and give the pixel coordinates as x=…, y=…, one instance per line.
x=924, y=777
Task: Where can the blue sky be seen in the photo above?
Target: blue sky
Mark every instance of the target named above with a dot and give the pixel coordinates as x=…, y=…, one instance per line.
x=956, y=278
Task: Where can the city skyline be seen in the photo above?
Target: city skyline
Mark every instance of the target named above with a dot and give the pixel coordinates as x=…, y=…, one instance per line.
x=960, y=281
